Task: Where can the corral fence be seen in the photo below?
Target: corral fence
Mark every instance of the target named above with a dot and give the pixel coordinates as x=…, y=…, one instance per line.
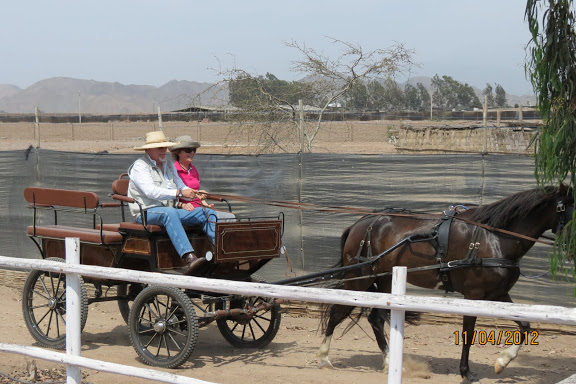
x=397, y=302
x=330, y=115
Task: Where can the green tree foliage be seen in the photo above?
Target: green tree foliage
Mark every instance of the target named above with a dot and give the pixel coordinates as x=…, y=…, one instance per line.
x=424, y=96
x=357, y=97
x=449, y=94
x=411, y=98
x=496, y=95
x=393, y=95
x=552, y=70
x=489, y=94
x=376, y=94
x=500, y=97
x=246, y=90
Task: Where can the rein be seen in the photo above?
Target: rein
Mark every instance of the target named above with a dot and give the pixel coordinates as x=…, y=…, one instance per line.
x=454, y=264
x=364, y=211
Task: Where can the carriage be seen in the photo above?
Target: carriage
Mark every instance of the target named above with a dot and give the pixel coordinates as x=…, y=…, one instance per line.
x=476, y=253
x=163, y=321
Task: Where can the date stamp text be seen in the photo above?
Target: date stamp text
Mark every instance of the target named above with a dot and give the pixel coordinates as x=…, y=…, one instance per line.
x=497, y=337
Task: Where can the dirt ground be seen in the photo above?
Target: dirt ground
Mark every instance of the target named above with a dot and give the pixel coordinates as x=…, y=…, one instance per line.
x=216, y=138
x=430, y=351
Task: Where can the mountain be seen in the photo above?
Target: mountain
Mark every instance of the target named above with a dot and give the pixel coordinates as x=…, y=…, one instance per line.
x=67, y=95
x=7, y=90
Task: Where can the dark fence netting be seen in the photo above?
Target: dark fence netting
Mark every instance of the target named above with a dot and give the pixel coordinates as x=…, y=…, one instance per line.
x=422, y=183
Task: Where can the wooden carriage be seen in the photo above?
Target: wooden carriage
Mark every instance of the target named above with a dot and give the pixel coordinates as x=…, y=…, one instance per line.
x=241, y=248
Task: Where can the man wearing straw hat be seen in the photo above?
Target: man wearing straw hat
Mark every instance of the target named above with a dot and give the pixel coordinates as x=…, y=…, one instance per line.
x=155, y=184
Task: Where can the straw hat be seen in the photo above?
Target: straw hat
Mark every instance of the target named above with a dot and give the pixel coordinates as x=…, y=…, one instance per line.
x=155, y=139
x=184, y=142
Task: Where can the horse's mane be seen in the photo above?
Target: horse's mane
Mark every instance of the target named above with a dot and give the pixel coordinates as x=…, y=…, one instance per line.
x=502, y=213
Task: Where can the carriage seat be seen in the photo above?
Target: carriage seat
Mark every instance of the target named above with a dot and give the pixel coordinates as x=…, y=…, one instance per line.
x=62, y=200
x=87, y=235
x=120, y=193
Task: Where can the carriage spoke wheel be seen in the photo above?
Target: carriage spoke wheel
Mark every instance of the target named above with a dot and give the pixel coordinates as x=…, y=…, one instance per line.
x=163, y=326
x=255, y=328
x=44, y=306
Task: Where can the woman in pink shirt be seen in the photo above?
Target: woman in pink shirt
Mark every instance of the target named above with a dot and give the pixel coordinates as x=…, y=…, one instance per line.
x=183, y=153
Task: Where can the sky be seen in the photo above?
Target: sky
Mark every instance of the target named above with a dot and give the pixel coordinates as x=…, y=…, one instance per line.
x=151, y=42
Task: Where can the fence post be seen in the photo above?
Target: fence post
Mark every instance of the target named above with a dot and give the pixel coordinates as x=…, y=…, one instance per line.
x=73, y=310
x=159, y=119
x=485, y=111
x=397, y=328
x=37, y=127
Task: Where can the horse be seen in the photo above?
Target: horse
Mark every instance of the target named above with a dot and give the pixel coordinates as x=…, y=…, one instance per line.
x=474, y=251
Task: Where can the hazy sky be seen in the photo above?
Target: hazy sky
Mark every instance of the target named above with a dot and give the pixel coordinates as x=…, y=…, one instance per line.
x=153, y=42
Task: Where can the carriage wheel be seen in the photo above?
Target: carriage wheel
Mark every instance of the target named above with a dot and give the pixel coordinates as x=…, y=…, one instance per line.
x=254, y=329
x=128, y=291
x=163, y=326
x=44, y=306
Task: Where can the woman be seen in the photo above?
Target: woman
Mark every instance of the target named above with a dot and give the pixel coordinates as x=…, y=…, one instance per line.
x=183, y=153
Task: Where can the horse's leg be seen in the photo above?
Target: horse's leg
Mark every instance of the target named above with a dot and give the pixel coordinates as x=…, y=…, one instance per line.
x=377, y=319
x=510, y=353
x=337, y=314
x=468, y=325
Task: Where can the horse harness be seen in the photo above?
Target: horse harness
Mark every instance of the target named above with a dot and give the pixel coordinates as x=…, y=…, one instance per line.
x=439, y=236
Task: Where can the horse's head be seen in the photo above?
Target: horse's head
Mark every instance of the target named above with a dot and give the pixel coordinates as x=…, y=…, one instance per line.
x=564, y=208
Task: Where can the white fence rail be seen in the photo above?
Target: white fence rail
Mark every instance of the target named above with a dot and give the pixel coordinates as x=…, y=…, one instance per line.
x=398, y=303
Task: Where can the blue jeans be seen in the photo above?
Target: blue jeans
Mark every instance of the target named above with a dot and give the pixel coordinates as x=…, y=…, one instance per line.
x=173, y=220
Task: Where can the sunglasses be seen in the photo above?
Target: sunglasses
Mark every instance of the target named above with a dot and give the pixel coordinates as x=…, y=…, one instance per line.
x=189, y=150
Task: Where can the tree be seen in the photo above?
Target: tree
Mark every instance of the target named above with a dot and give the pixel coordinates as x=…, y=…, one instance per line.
x=246, y=90
x=393, y=95
x=488, y=93
x=376, y=95
x=411, y=100
x=329, y=79
x=500, y=98
x=449, y=93
x=357, y=97
x=552, y=54
x=424, y=96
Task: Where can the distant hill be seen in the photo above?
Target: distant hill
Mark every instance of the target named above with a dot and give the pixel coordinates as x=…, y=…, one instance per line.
x=67, y=95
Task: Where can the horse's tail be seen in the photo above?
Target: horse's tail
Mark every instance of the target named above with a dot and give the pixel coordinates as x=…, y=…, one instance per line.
x=343, y=239
x=333, y=283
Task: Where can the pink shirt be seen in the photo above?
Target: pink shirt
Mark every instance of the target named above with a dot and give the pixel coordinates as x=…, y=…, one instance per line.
x=191, y=178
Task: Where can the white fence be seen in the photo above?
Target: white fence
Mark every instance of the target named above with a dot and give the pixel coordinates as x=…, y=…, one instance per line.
x=397, y=302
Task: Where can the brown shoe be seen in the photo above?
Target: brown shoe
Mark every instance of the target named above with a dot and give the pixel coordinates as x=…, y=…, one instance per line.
x=193, y=262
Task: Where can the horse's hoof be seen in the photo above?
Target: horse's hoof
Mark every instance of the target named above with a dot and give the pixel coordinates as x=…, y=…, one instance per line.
x=469, y=377
x=326, y=364
x=498, y=368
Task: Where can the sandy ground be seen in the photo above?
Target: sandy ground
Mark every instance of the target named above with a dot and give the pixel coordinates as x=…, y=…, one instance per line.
x=216, y=138
x=431, y=355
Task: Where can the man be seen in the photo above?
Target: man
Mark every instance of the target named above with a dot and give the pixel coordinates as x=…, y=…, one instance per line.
x=154, y=183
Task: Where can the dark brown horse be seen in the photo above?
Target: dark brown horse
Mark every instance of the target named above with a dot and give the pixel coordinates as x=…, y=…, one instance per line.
x=475, y=252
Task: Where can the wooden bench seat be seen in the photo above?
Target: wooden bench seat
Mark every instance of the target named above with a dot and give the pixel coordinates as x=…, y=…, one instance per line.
x=75, y=202
x=88, y=235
